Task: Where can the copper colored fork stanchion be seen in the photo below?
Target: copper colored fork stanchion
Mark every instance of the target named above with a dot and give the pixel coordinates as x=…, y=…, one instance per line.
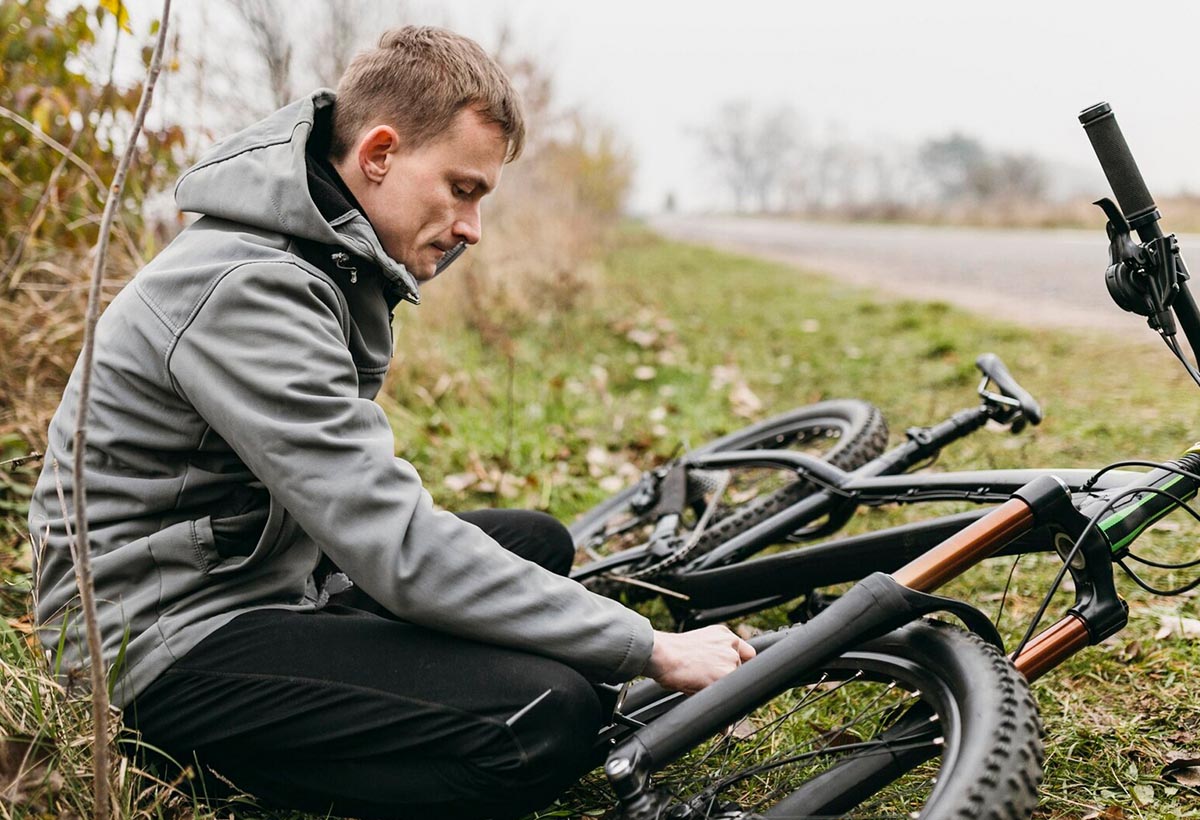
x=963, y=550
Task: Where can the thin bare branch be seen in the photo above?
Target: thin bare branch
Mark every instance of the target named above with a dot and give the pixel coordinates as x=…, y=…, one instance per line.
x=21, y=461
x=83, y=566
x=78, y=162
x=44, y=202
x=50, y=141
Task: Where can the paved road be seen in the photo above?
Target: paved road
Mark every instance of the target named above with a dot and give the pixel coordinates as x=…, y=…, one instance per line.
x=1039, y=278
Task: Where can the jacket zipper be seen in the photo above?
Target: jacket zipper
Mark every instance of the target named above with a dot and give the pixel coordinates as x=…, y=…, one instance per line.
x=342, y=261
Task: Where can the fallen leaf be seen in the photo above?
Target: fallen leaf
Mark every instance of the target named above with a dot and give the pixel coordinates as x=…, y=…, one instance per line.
x=1107, y=813
x=1178, y=627
x=835, y=737
x=510, y=485
x=642, y=337
x=599, y=376
x=460, y=482
x=612, y=484
x=1130, y=652
x=723, y=375
x=25, y=779
x=424, y=395
x=744, y=729
x=1182, y=768
x=444, y=383
x=598, y=461
x=744, y=402
x=24, y=624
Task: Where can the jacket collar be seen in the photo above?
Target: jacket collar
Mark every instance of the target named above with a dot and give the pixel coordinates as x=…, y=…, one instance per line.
x=260, y=177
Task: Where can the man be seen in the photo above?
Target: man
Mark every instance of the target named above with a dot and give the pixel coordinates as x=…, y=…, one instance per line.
x=280, y=598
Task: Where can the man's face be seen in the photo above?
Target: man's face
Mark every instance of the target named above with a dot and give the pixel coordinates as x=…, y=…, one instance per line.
x=424, y=201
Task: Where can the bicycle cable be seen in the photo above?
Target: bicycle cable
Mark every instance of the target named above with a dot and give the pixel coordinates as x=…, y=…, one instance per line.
x=1173, y=345
x=1093, y=521
x=1007, y=585
x=1158, y=565
x=1165, y=592
x=1134, y=462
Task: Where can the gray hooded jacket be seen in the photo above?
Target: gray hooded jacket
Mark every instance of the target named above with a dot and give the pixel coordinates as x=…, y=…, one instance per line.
x=233, y=439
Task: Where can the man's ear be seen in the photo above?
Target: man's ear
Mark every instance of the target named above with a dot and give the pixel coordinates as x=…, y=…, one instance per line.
x=375, y=150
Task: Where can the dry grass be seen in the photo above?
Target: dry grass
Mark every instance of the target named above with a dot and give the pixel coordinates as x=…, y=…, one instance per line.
x=46, y=750
x=1182, y=212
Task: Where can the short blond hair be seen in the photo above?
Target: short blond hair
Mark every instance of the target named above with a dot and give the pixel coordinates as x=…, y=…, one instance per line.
x=417, y=81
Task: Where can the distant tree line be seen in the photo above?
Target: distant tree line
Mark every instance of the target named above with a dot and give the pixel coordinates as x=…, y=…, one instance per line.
x=770, y=162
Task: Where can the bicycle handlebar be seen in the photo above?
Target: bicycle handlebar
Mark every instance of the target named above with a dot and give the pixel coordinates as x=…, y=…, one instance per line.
x=990, y=365
x=1119, y=165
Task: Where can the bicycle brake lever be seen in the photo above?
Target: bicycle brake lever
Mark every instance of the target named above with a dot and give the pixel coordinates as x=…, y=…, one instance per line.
x=1141, y=280
x=1121, y=247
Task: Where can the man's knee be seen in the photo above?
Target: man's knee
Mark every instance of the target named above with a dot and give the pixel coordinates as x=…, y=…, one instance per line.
x=558, y=545
x=533, y=535
x=556, y=730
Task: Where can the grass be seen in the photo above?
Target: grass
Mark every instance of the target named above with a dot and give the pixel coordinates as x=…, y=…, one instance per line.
x=676, y=345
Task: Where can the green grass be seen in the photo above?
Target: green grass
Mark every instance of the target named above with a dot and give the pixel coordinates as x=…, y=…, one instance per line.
x=677, y=345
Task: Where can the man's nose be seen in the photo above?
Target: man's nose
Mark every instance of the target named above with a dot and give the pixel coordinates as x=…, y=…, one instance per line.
x=469, y=226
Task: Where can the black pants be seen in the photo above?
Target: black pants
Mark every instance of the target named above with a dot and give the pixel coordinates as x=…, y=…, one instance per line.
x=352, y=712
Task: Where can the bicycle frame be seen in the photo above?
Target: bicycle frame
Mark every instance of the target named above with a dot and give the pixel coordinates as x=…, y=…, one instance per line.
x=881, y=602
x=725, y=583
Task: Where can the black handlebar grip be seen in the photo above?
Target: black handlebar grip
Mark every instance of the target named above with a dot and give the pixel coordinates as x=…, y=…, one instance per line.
x=1119, y=166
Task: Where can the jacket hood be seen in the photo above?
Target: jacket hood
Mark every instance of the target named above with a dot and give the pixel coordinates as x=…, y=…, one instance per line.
x=259, y=177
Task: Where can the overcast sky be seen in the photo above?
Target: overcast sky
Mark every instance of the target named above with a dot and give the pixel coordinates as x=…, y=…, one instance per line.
x=1014, y=74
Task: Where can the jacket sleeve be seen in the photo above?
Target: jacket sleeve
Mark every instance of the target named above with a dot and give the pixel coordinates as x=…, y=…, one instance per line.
x=265, y=361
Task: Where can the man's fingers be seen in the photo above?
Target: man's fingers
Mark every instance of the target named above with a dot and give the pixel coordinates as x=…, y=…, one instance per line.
x=745, y=650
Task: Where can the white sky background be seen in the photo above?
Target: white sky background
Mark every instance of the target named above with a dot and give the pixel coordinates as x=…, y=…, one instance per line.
x=1012, y=74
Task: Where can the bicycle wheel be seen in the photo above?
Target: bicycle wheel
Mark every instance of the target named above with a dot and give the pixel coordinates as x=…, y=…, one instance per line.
x=929, y=721
x=847, y=433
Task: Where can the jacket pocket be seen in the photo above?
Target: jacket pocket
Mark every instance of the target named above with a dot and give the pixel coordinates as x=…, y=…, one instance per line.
x=181, y=554
x=238, y=543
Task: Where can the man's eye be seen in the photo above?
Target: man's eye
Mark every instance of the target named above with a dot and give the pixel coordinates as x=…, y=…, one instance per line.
x=460, y=192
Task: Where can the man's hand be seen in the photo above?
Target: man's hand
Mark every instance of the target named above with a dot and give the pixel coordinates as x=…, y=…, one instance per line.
x=689, y=661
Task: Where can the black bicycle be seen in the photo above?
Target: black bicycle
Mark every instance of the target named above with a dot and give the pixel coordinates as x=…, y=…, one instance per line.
x=868, y=707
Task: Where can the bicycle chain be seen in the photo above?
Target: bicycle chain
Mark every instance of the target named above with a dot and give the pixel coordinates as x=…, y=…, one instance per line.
x=777, y=501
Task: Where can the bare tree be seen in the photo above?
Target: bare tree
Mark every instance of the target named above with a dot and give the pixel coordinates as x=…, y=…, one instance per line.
x=750, y=153
x=344, y=27
x=266, y=21
x=774, y=142
x=958, y=165
x=1020, y=177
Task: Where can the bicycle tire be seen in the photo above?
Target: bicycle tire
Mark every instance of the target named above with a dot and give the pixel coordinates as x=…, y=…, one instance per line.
x=849, y=432
x=987, y=740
